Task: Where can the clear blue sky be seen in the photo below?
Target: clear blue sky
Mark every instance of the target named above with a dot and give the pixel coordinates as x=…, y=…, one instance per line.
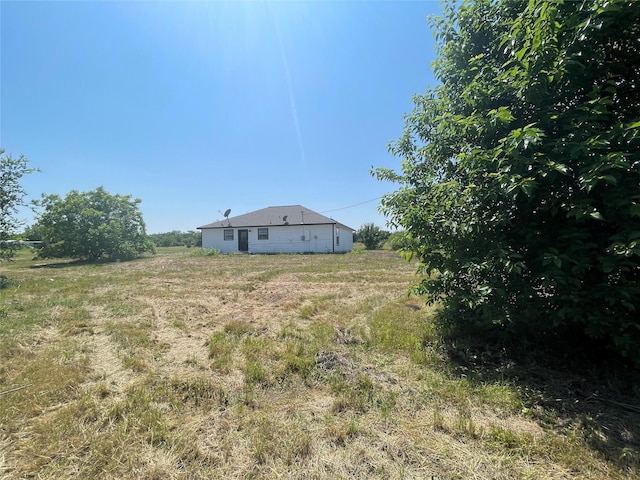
x=196, y=107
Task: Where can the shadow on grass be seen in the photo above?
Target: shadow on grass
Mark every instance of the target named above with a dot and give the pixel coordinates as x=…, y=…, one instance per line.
x=595, y=398
x=69, y=263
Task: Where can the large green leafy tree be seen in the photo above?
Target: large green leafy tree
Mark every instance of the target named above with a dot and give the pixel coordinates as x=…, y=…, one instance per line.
x=92, y=225
x=11, y=197
x=520, y=177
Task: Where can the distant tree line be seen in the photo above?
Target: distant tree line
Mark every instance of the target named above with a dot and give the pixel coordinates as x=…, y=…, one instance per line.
x=176, y=238
x=371, y=236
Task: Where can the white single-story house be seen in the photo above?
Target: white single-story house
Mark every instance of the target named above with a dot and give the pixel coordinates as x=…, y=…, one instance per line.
x=286, y=229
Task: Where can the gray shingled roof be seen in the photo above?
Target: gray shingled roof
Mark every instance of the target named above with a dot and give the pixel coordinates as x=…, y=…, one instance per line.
x=283, y=215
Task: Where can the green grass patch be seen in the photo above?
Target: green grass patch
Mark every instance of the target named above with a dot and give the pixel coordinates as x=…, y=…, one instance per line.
x=221, y=347
x=130, y=335
x=239, y=328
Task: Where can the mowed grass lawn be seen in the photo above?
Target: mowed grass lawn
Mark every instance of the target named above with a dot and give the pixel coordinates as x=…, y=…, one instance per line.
x=187, y=366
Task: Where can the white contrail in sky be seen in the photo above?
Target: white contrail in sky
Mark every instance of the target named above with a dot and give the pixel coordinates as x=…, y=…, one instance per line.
x=292, y=99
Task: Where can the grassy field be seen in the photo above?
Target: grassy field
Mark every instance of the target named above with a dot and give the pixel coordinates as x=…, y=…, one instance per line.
x=186, y=366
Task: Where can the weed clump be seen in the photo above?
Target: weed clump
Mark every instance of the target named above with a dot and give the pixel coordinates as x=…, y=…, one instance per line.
x=5, y=282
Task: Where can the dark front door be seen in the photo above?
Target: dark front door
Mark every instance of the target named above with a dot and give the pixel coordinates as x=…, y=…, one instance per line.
x=243, y=240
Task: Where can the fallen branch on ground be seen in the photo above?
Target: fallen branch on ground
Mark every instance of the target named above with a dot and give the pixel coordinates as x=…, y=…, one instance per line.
x=15, y=389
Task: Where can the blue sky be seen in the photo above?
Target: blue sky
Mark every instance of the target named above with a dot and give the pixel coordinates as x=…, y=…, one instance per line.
x=196, y=107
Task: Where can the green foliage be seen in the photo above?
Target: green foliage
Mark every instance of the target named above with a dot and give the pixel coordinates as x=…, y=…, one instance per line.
x=5, y=282
x=371, y=235
x=204, y=252
x=11, y=197
x=31, y=233
x=176, y=238
x=92, y=225
x=401, y=240
x=520, y=178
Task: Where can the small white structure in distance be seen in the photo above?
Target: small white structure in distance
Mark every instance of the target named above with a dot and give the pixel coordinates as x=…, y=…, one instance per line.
x=285, y=229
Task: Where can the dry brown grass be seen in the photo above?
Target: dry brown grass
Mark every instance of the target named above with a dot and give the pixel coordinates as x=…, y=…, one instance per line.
x=182, y=367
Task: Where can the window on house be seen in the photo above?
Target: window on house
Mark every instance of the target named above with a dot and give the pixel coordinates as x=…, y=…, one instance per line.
x=338, y=241
x=263, y=234
x=228, y=234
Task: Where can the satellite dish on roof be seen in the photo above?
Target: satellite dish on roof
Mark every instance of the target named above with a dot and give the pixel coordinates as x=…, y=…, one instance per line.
x=284, y=219
x=226, y=214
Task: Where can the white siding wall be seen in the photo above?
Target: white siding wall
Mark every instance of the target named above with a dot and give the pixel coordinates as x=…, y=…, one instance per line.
x=346, y=238
x=214, y=238
x=284, y=239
